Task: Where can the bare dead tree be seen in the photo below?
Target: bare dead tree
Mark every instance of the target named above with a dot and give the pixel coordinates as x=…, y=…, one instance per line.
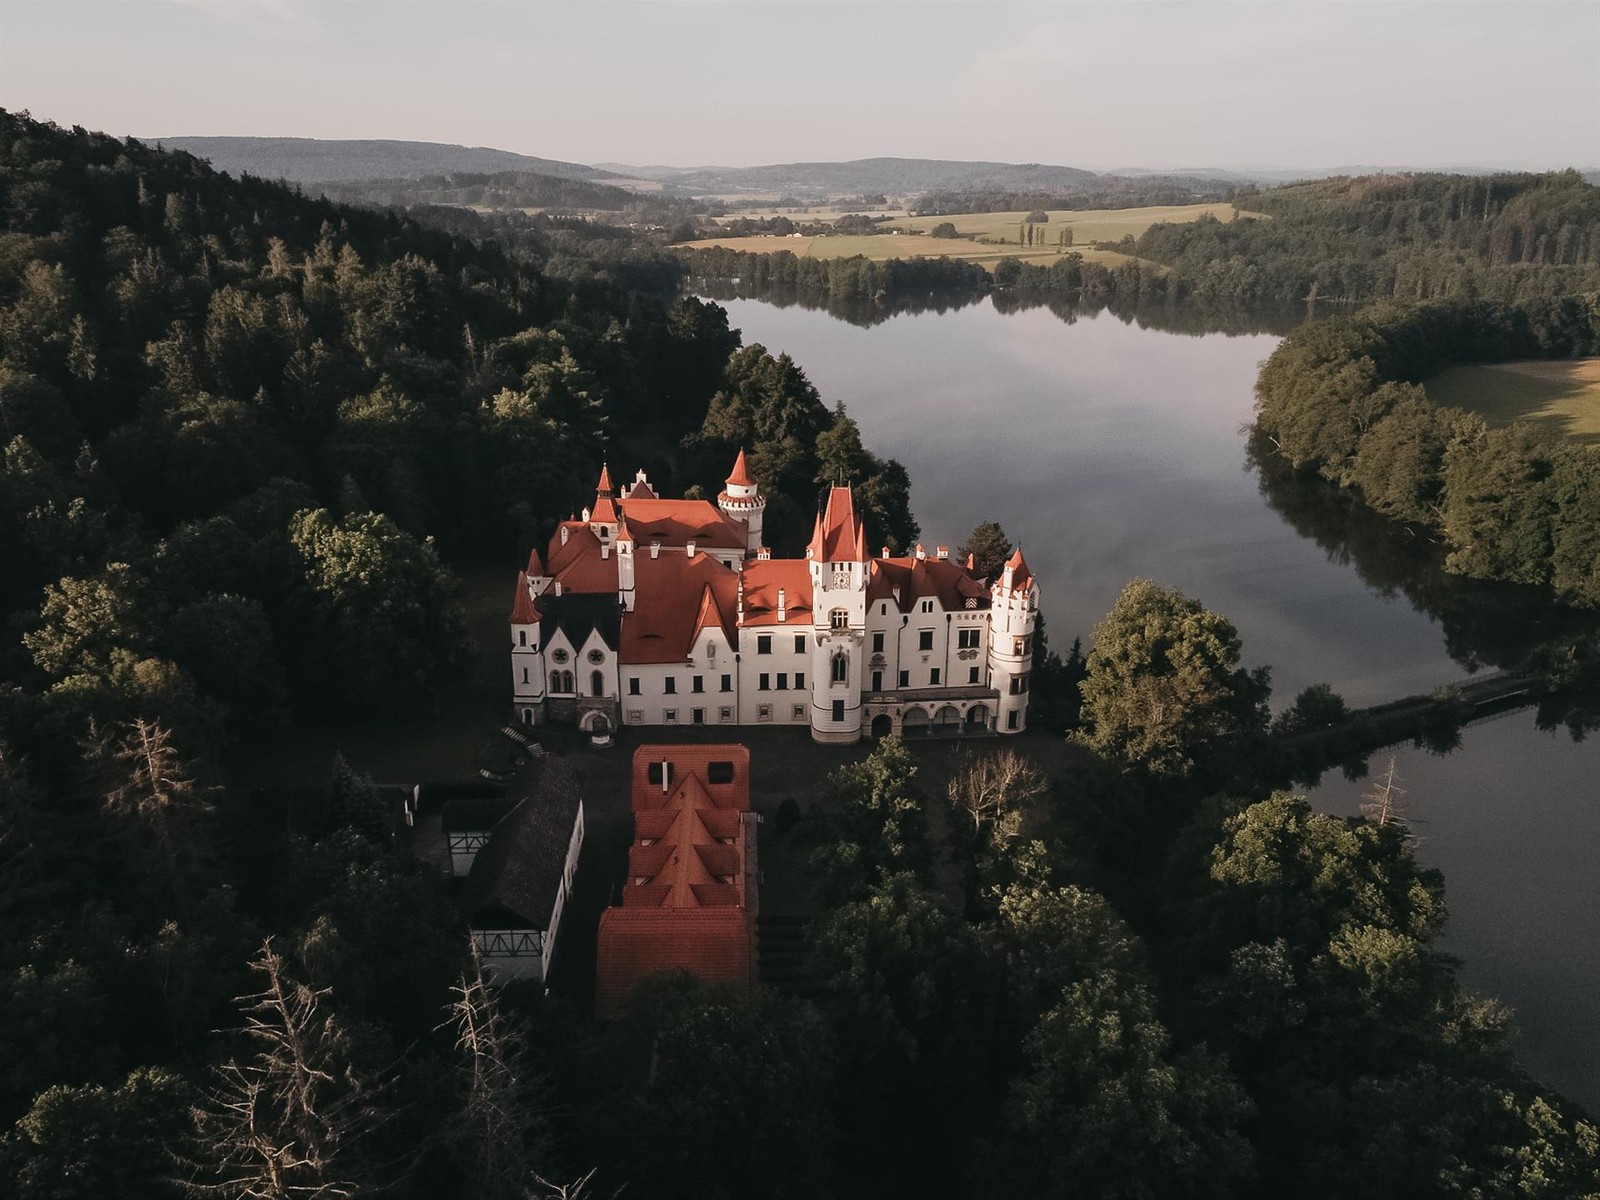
x=988, y=787
x=146, y=784
x=500, y=1123
x=285, y=1123
x=1386, y=801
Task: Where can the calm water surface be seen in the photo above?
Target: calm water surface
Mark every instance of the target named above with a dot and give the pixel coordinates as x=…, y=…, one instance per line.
x=1111, y=451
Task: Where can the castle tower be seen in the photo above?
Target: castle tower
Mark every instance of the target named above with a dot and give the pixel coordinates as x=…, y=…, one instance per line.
x=1013, y=612
x=741, y=500
x=837, y=560
x=602, y=517
x=527, y=656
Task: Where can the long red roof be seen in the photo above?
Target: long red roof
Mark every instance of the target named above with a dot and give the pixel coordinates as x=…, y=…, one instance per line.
x=763, y=578
x=679, y=522
x=671, y=596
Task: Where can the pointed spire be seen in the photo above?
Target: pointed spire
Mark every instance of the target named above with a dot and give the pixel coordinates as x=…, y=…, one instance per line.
x=1016, y=574
x=603, y=488
x=740, y=476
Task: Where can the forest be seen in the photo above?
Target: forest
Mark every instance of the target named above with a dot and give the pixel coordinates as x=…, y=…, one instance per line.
x=250, y=438
x=1515, y=503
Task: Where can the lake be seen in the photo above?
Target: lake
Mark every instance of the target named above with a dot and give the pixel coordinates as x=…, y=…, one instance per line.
x=1111, y=451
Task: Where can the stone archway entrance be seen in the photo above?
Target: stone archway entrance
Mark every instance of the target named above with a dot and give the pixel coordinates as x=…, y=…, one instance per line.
x=882, y=726
x=947, y=720
x=977, y=718
x=915, y=722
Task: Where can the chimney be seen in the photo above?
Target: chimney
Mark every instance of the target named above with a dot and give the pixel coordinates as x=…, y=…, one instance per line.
x=943, y=552
x=689, y=549
x=885, y=553
x=666, y=773
x=605, y=551
x=564, y=532
x=763, y=554
x=586, y=512
x=655, y=549
x=558, y=589
x=783, y=606
x=739, y=619
x=922, y=552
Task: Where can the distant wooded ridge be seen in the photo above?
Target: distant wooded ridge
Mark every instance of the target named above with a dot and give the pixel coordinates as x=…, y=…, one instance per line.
x=324, y=162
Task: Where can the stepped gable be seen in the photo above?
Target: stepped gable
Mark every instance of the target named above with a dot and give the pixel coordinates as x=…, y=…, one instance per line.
x=516, y=878
x=679, y=522
x=838, y=535
x=915, y=579
x=675, y=597
x=688, y=901
x=763, y=578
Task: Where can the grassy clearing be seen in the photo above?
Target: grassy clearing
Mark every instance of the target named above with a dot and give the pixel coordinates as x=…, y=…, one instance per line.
x=881, y=247
x=986, y=238
x=1563, y=395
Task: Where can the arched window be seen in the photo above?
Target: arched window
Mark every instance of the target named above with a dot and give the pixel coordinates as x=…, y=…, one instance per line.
x=841, y=668
x=561, y=682
x=597, y=684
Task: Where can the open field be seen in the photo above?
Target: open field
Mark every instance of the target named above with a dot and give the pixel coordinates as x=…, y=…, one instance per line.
x=1088, y=225
x=985, y=238
x=881, y=247
x=1563, y=395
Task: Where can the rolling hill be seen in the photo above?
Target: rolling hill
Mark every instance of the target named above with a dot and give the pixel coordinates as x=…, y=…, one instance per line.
x=311, y=160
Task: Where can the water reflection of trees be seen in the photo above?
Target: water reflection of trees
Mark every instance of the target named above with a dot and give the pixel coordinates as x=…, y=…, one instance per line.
x=1486, y=625
x=1189, y=317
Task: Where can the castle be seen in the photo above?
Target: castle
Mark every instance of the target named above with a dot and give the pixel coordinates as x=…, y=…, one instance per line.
x=647, y=611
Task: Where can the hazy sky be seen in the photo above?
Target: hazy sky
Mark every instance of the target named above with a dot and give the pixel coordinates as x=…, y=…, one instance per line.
x=1096, y=85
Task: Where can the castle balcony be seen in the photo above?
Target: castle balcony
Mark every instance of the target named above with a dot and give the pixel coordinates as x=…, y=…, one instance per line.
x=969, y=711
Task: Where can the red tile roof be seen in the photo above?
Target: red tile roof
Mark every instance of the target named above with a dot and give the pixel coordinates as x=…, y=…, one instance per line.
x=711, y=943
x=920, y=578
x=603, y=488
x=1020, y=575
x=740, y=475
x=670, y=598
x=679, y=522
x=639, y=491
x=763, y=578
x=684, y=904
x=838, y=535
x=577, y=563
x=523, y=610
x=603, y=512
x=535, y=563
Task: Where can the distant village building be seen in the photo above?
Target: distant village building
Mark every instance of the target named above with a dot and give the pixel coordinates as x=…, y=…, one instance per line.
x=647, y=611
x=689, y=900
x=520, y=875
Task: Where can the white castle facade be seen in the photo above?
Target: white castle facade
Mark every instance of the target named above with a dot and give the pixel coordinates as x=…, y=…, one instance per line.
x=646, y=611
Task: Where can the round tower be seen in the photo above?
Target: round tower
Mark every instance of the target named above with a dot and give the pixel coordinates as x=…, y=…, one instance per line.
x=1013, y=612
x=837, y=561
x=741, y=500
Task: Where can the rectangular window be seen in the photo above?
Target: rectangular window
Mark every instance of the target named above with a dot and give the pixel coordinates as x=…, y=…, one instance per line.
x=1011, y=719
x=799, y=712
x=877, y=681
x=763, y=643
x=966, y=639
x=524, y=674
x=764, y=712
x=783, y=681
x=877, y=643
x=905, y=679
x=719, y=772
x=927, y=606
x=697, y=716
x=972, y=675
x=670, y=716
x=799, y=679
x=764, y=683
x=697, y=684
x=671, y=685
x=725, y=715
x=1019, y=685
x=799, y=643
x=727, y=683
x=522, y=637
x=838, y=710
x=633, y=685
x=933, y=677
x=925, y=639
x=636, y=716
